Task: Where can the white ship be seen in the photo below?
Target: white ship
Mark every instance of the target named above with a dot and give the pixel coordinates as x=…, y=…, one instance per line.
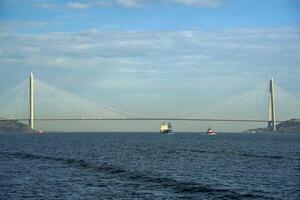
x=166, y=127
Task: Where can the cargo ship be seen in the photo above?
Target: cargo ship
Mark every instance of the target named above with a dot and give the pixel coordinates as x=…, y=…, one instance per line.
x=166, y=127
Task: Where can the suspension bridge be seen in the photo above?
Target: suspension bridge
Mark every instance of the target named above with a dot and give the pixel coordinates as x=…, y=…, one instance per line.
x=42, y=101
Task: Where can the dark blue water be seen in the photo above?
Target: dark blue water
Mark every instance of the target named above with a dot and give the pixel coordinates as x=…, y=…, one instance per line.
x=149, y=166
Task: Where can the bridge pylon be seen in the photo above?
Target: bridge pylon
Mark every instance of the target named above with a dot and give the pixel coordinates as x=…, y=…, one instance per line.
x=31, y=110
x=271, y=109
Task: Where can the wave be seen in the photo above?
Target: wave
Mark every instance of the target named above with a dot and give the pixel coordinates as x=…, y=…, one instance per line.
x=263, y=156
x=178, y=186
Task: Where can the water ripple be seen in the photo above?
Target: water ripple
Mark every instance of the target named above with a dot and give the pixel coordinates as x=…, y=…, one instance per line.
x=181, y=187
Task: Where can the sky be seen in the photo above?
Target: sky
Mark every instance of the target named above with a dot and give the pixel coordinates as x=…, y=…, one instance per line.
x=154, y=57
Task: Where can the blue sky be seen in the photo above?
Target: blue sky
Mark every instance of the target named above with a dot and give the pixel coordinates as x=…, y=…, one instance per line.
x=68, y=15
x=165, y=54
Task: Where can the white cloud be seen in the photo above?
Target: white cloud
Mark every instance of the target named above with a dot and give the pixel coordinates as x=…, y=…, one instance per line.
x=199, y=3
x=233, y=49
x=129, y=3
x=46, y=5
x=13, y=25
x=78, y=5
x=160, y=57
x=99, y=3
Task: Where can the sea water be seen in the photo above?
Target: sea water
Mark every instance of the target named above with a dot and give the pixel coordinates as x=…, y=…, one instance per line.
x=149, y=166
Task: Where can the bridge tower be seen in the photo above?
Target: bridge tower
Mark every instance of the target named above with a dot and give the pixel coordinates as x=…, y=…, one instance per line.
x=271, y=110
x=31, y=120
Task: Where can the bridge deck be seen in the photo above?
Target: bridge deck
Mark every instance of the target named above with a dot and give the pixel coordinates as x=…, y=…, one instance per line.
x=142, y=119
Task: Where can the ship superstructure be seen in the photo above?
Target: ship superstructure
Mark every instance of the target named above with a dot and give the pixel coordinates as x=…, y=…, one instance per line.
x=166, y=127
x=210, y=131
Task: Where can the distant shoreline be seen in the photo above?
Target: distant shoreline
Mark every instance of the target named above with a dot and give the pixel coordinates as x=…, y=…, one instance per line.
x=289, y=126
x=14, y=126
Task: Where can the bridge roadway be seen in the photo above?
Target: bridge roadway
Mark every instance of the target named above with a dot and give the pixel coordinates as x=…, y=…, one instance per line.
x=141, y=119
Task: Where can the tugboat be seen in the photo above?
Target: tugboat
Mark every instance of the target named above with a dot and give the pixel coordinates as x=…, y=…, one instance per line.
x=39, y=131
x=166, y=127
x=210, y=132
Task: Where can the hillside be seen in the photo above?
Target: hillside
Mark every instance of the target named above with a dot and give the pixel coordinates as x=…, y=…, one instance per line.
x=14, y=126
x=289, y=126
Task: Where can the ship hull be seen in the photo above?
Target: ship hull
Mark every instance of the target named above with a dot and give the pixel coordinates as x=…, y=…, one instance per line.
x=211, y=132
x=166, y=131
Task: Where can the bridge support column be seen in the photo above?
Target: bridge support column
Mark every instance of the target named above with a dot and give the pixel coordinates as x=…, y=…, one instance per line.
x=271, y=113
x=31, y=120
